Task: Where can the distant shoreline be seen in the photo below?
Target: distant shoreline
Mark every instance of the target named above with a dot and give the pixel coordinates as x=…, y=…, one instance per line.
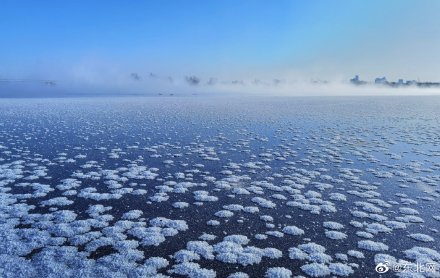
x=383, y=82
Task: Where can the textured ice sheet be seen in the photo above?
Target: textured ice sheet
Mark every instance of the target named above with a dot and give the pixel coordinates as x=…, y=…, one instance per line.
x=216, y=187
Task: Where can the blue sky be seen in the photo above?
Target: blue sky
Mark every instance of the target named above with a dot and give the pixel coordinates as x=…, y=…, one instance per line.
x=98, y=41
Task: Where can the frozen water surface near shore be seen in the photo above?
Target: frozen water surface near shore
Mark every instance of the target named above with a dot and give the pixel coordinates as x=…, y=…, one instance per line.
x=218, y=187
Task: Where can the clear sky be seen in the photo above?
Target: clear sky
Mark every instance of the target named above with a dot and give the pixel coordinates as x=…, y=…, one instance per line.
x=102, y=42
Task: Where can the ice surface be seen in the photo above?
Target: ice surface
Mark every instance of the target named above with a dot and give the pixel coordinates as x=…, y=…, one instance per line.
x=203, y=187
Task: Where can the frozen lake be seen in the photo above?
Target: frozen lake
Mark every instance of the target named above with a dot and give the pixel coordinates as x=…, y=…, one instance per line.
x=219, y=187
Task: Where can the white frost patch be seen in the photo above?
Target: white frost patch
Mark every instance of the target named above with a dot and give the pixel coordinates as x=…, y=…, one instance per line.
x=335, y=235
x=180, y=205
x=408, y=211
x=238, y=275
x=186, y=256
x=337, y=197
x=207, y=237
x=179, y=225
x=293, y=230
x=356, y=254
x=261, y=236
x=224, y=213
x=332, y=225
x=278, y=272
x=193, y=270
x=275, y=234
x=364, y=234
x=340, y=269
x=263, y=202
x=421, y=237
x=316, y=270
x=372, y=245
x=422, y=254
x=272, y=253
x=202, y=248
x=297, y=254
x=132, y=214
x=57, y=201
x=213, y=223
x=203, y=196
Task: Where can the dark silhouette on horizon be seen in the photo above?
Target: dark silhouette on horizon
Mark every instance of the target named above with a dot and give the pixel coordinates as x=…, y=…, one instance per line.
x=382, y=81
